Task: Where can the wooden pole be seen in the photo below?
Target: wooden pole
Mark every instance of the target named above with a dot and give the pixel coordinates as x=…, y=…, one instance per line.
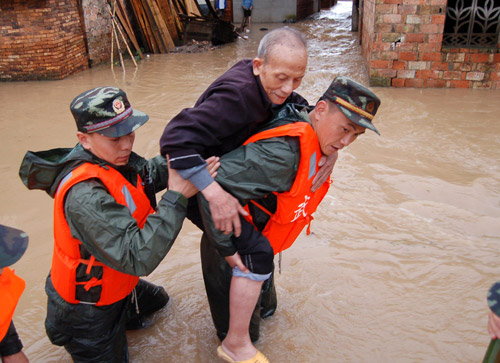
x=123, y=38
x=118, y=45
x=112, y=39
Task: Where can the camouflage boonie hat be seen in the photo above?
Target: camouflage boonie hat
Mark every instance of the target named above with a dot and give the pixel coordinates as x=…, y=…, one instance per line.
x=13, y=244
x=356, y=101
x=107, y=111
x=494, y=298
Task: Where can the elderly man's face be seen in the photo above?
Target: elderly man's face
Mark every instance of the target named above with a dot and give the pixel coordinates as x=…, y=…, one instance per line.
x=335, y=130
x=282, y=72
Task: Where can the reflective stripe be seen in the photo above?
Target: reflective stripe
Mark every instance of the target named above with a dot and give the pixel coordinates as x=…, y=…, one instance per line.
x=129, y=200
x=64, y=180
x=312, y=165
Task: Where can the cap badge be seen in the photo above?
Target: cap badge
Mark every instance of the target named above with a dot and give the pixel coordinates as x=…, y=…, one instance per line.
x=118, y=106
x=370, y=107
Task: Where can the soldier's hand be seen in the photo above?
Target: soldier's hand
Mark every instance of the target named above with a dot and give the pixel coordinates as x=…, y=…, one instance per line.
x=326, y=167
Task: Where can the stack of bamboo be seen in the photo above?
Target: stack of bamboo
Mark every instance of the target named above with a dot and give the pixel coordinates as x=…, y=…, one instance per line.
x=159, y=22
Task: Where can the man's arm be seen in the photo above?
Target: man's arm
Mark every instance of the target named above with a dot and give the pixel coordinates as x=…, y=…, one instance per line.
x=252, y=172
x=112, y=235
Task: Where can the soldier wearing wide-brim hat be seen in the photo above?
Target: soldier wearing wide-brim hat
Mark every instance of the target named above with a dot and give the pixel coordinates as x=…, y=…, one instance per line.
x=13, y=244
x=108, y=229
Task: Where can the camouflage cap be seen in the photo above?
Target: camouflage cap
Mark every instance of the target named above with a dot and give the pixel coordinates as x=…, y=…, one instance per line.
x=107, y=111
x=356, y=101
x=494, y=298
x=13, y=244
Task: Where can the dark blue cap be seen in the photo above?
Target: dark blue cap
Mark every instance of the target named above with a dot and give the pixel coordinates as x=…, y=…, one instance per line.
x=13, y=244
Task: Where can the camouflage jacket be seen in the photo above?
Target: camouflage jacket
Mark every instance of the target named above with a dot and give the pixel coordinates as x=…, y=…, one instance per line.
x=90, y=209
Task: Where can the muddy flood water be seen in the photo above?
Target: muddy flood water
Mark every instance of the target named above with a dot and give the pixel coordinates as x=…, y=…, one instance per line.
x=404, y=247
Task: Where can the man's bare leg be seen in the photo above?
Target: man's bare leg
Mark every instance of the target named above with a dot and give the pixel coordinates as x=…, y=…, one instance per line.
x=243, y=296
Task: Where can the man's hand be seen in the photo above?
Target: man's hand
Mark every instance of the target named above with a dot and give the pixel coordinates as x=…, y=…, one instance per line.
x=212, y=165
x=235, y=260
x=493, y=325
x=224, y=209
x=177, y=184
x=326, y=165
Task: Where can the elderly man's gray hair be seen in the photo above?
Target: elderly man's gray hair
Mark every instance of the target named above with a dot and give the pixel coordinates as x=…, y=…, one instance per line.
x=280, y=36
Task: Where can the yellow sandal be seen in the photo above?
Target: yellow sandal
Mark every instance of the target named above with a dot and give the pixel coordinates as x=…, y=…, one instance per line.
x=257, y=358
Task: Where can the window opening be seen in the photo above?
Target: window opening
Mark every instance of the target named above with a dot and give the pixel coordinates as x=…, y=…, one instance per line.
x=472, y=23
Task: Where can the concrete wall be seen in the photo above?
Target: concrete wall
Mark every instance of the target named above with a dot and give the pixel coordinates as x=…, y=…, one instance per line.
x=402, y=43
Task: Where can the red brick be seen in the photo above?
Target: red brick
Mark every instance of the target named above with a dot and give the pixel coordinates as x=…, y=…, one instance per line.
x=452, y=75
x=406, y=73
x=416, y=83
x=435, y=83
x=398, y=82
x=408, y=56
x=398, y=65
x=432, y=28
x=459, y=84
x=426, y=74
x=392, y=18
x=431, y=56
x=480, y=58
x=417, y=38
x=438, y=19
x=496, y=58
x=429, y=47
x=379, y=64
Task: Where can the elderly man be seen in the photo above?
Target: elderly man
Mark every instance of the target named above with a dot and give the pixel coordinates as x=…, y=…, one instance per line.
x=229, y=111
x=274, y=171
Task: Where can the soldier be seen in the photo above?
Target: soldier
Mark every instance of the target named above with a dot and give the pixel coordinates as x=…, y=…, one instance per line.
x=108, y=230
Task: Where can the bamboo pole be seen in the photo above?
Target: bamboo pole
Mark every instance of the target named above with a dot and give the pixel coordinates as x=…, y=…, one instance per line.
x=112, y=43
x=123, y=38
x=122, y=16
x=118, y=45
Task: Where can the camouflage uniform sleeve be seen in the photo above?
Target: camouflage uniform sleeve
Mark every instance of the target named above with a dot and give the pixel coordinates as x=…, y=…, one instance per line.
x=252, y=172
x=111, y=234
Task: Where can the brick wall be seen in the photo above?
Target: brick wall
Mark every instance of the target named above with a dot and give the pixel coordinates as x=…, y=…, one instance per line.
x=402, y=44
x=40, y=39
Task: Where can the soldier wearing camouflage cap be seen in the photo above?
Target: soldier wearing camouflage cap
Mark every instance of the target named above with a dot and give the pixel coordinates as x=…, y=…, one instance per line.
x=108, y=229
x=13, y=244
x=274, y=171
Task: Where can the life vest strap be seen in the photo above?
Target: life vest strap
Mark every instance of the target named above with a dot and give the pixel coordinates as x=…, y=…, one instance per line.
x=261, y=207
x=87, y=285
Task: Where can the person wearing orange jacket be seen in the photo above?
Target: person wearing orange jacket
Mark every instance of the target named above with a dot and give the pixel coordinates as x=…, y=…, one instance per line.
x=272, y=175
x=108, y=228
x=13, y=244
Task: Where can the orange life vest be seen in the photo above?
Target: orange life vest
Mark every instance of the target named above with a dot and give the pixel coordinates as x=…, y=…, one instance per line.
x=11, y=288
x=66, y=257
x=294, y=207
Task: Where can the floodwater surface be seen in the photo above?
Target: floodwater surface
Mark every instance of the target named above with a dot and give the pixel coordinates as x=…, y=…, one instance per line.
x=404, y=246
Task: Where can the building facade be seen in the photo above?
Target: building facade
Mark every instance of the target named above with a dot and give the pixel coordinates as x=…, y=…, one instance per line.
x=431, y=43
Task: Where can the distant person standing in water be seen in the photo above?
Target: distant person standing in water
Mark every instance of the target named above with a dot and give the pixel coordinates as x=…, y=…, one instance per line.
x=247, y=6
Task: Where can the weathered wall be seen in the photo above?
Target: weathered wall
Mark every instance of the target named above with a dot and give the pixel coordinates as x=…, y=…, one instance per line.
x=98, y=30
x=40, y=39
x=402, y=43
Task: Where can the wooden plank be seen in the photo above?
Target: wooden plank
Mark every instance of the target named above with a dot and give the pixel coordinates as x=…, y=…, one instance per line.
x=154, y=27
x=140, y=23
x=124, y=20
x=162, y=26
x=169, y=19
x=175, y=12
